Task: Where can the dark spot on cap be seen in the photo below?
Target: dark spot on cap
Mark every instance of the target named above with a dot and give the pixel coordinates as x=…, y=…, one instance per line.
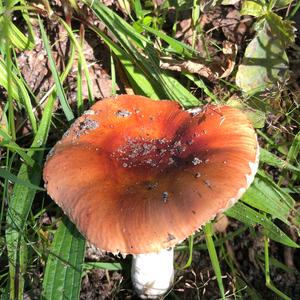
x=197, y=175
x=170, y=237
x=165, y=196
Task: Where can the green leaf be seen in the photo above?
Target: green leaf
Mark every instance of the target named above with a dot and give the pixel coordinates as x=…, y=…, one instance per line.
x=140, y=82
x=265, y=62
x=62, y=279
x=266, y=196
x=81, y=59
x=10, y=144
x=283, y=3
x=208, y=229
x=59, y=88
x=282, y=30
x=200, y=84
x=271, y=159
x=11, y=177
x=253, y=8
x=18, y=39
x=251, y=217
x=294, y=150
x=257, y=117
x=111, y=266
x=19, y=208
x=133, y=43
x=177, y=46
x=18, y=92
x=3, y=80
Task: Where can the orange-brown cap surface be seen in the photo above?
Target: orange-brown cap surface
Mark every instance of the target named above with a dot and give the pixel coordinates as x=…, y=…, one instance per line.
x=137, y=175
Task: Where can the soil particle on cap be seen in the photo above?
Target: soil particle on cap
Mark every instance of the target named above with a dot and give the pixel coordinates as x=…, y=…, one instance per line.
x=196, y=161
x=195, y=111
x=171, y=161
x=88, y=124
x=123, y=113
x=85, y=125
x=89, y=112
x=151, y=185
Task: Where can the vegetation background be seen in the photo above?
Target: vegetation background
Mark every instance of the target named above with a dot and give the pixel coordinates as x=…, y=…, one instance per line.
x=59, y=57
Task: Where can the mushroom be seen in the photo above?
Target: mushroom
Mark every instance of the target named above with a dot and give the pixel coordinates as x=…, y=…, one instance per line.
x=138, y=176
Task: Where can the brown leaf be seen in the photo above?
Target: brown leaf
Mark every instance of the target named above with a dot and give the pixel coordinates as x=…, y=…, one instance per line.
x=221, y=223
x=221, y=67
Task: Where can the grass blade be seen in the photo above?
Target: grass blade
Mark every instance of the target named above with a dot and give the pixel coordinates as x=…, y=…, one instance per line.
x=10, y=144
x=11, y=177
x=81, y=59
x=3, y=80
x=294, y=150
x=269, y=283
x=113, y=266
x=19, y=208
x=59, y=89
x=208, y=230
x=165, y=86
x=18, y=39
x=136, y=77
x=265, y=195
x=178, y=47
x=273, y=160
x=18, y=92
x=64, y=265
x=251, y=217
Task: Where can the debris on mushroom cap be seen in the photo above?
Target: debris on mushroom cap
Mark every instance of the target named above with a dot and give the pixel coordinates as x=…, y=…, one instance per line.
x=133, y=172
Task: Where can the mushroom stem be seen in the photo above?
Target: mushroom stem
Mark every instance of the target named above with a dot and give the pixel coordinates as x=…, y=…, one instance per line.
x=152, y=273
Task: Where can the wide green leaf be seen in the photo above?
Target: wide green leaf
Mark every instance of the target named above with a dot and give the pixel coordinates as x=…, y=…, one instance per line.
x=271, y=159
x=251, y=217
x=265, y=61
x=294, y=150
x=62, y=279
x=20, y=205
x=266, y=196
x=253, y=8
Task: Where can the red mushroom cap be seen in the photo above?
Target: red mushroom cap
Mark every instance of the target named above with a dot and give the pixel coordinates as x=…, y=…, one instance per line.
x=137, y=175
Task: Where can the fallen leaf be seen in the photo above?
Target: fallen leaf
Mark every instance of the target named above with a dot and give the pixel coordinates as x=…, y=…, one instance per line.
x=220, y=67
x=221, y=223
x=265, y=62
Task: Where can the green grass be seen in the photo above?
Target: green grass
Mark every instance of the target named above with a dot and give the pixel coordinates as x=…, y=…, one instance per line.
x=136, y=43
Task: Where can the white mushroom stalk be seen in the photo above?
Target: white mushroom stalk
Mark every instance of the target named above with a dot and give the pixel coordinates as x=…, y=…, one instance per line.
x=152, y=273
